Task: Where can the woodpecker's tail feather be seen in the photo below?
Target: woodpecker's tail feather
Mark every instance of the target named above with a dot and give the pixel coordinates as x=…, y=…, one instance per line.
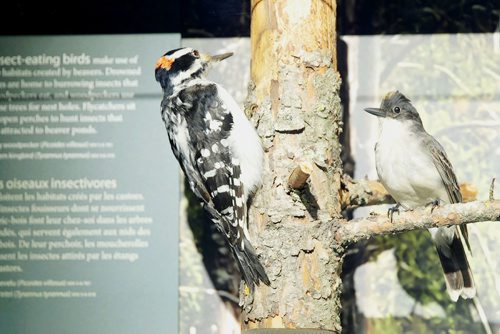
x=457, y=271
x=250, y=267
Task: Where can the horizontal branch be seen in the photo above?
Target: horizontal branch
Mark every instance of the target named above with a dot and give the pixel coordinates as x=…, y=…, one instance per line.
x=362, y=192
x=421, y=218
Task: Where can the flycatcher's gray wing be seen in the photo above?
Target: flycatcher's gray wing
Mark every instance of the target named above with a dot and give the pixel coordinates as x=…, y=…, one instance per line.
x=445, y=170
x=453, y=259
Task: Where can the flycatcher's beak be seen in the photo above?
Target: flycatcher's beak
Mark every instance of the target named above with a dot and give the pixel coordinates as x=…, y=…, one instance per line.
x=376, y=111
x=208, y=58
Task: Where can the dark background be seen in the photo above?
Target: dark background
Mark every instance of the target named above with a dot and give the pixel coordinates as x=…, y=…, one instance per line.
x=230, y=18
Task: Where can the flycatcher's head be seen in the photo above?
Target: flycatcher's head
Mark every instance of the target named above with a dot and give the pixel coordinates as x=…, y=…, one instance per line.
x=397, y=106
x=179, y=65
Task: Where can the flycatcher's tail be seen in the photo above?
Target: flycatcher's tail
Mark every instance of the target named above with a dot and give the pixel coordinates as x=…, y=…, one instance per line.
x=456, y=268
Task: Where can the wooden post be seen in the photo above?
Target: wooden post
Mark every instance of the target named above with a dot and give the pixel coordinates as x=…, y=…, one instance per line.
x=294, y=103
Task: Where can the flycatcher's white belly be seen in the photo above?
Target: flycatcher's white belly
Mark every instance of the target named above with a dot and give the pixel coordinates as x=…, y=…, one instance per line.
x=405, y=168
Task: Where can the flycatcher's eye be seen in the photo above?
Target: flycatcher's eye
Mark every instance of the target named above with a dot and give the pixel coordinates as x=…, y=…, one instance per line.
x=196, y=54
x=397, y=110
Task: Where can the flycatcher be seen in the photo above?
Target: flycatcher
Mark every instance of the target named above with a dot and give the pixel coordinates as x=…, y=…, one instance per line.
x=415, y=170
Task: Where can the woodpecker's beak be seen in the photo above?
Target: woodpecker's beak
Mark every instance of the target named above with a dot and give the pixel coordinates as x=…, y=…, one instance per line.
x=209, y=58
x=376, y=111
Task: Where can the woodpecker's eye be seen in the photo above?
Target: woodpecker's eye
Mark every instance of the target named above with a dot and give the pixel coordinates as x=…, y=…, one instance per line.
x=397, y=110
x=196, y=54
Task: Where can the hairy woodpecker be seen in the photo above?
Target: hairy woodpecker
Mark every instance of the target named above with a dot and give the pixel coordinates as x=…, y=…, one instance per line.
x=216, y=146
x=415, y=170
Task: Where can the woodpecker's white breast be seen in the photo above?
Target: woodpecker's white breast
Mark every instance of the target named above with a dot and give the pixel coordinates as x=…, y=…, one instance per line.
x=245, y=144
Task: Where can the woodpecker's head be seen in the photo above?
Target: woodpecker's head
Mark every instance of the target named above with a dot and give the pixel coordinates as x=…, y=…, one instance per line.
x=396, y=106
x=179, y=65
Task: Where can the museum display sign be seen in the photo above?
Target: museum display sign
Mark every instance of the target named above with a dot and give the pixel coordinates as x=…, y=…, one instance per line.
x=89, y=190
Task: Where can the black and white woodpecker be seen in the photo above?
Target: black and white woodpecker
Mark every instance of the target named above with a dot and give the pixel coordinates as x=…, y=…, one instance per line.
x=216, y=146
x=415, y=170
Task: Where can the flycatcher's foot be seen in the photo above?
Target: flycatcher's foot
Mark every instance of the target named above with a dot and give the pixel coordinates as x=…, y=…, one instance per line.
x=391, y=211
x=434, y=204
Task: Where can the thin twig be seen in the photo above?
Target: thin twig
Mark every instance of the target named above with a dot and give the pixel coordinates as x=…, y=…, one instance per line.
x=492, y=189
x=482, y=315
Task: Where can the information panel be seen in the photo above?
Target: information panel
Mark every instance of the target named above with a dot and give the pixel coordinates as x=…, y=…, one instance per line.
x=89, y=189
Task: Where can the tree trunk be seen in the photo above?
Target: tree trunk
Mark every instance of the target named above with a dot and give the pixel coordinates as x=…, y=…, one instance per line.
x=294, y=103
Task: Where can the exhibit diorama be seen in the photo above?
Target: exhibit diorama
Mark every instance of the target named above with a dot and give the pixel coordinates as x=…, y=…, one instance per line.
x=240, y=166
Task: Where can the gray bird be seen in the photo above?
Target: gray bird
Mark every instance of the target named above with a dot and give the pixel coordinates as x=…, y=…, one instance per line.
x=415, y=170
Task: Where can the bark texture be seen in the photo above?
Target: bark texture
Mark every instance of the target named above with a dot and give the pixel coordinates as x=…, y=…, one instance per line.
x=362, y=192
x=294, y=103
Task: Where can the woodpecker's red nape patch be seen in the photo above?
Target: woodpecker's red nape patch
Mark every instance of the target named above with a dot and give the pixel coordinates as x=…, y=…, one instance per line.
x=164, y=62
